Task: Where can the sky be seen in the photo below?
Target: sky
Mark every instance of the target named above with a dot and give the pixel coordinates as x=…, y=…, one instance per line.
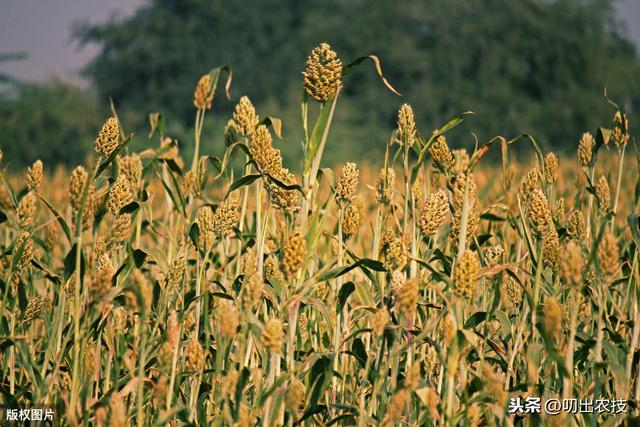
x=42, y=29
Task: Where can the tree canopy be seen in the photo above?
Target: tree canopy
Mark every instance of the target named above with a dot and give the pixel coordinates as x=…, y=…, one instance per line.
x=532, y=66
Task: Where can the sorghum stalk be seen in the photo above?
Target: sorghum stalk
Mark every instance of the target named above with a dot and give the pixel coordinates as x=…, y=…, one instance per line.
x=78, y=283
x=536, y=286
x=592, y=176
x=567, y=383
x=310, y=179
x=142, y=353
x=618, y=183
x=636, y=324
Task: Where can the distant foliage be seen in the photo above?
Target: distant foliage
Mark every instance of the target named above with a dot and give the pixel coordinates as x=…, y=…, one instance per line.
x=534, y=66
x=51, y=121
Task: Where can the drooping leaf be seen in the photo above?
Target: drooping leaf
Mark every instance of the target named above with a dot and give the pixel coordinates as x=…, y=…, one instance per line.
x=350, y=68
x=345, y=291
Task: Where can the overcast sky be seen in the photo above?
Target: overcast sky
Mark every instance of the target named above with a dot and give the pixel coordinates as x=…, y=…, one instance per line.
x=41, y=28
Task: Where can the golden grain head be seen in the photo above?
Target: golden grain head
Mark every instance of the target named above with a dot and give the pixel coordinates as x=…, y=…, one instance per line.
x=585, y=150
x=441, y=154
x=494, y=255
x=249, y=264
x=551, y=248
x=398, y=406
x=35, y=176
x=473, y=221
x=272, y=270
x=294, y=252
x=559, y=211
x=347, y=184
x=407, y=296
x=493, y=384
x=51, y=234
x=195, y=356
x=394, y=254
x=228, y=318
x=273, y=335
x=604, y=195
x=141, y=297
x=406, y=126
x=205, y=226
x=379, y=321
x=24, y=242
x=226, y=217
x=608, y=255
x=294, y=398
x=108, y=138
x=261, y=147
x=281, y=198
x=27, y=210
x=351, y=221
x=465, y=275
x=464, y=184
x=551, y=169
x=77, y=182
x=245, y=117
x=576, y=228
x=131, y=167
x=120, y=195
x=530, y=182
x=33, y=308
x=117, y=411
x=176, y=272
x=572, y=263
x=551, y=320
x=253, y=291
x=323, y=73
x=433, y=213
x=620, y=128
x=191, y=184
x=102, y=280
x=512, y=292
x=385, y=186
x=538, y=212
x=203, y=94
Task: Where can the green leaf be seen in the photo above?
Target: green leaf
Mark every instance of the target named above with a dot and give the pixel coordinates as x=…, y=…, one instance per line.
x=359, y=352
x=286, y=186
x=70, y=263
x=425, y=149
x=316, y=134
x=194, y=234
x=242, y=382
x=345, y=291
x=477, y=318
x=48, y=274
x=139, y=257
x=61, y=221
x=492, y=217
x=172, y=165
x=113, y=155
x=339, y=271
x=275, y=123
x=130, y=208
x=350, y=68
x=245, y=180
x=634, y=224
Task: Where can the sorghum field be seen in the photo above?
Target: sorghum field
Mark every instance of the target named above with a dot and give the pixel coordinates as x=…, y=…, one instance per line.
x=140, y=290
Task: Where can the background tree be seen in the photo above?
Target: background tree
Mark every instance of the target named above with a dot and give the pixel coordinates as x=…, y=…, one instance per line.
x=53, y=121
x=534, y=66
